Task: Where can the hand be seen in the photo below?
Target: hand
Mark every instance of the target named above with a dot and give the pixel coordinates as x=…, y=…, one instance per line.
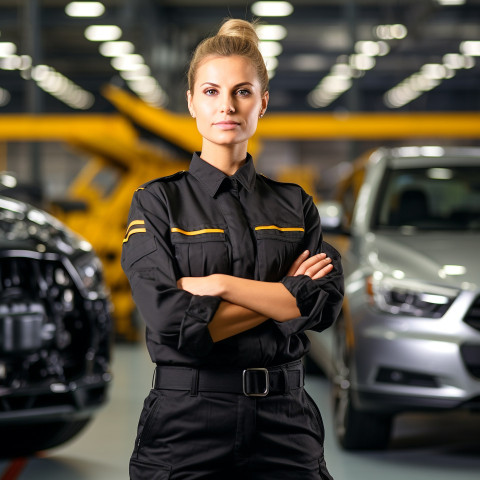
x=210, y=285
x=315, y=267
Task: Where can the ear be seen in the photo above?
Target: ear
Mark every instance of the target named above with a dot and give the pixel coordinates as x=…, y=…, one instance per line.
x=265, y=98
x=190, y=103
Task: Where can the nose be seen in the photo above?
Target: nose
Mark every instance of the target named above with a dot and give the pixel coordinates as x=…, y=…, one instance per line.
x=227, y=104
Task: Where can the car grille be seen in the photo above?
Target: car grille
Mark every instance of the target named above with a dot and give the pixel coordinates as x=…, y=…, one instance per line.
x=473, y=315
x=49, y=333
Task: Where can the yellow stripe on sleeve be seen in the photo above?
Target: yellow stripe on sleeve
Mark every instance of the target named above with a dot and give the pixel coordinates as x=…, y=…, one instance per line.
x=135, y=222
x=134, y=230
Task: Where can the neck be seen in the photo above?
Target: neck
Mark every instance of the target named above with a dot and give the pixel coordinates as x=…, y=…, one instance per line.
x=227, y=158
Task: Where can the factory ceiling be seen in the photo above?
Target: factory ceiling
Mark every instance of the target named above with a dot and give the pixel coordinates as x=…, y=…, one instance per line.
x=331, y=55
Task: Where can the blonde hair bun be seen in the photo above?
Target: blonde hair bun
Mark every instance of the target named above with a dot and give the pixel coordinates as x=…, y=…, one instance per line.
x=235, y=27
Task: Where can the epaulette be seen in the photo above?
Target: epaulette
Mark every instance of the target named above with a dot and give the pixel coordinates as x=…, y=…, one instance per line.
x=167, y=178
x=277, y=182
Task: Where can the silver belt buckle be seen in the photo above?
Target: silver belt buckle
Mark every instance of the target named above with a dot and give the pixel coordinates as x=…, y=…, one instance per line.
x=267, y=382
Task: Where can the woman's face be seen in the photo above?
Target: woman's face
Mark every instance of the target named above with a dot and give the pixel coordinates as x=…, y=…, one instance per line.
x=227, y=100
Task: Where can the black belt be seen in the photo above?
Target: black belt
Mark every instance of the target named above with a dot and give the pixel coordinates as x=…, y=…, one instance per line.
x=252, y=382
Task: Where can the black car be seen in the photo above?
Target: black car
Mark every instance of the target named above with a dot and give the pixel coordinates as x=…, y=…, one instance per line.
x=55, y=331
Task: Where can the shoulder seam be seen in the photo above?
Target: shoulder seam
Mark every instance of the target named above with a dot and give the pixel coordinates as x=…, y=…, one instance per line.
x=167, y=178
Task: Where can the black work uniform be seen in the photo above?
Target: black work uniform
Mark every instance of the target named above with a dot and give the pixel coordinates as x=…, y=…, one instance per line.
x=201, y=421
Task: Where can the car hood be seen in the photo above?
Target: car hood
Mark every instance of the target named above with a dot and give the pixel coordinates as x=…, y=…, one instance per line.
x=446, y=258
x=23, y=227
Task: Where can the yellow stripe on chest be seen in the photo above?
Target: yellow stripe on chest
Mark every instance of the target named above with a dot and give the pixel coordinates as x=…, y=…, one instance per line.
x=197, y=232
x=281, y=229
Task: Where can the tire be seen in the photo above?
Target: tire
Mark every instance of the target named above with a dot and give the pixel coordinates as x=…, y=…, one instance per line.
x=354, y=429
x=23, y=440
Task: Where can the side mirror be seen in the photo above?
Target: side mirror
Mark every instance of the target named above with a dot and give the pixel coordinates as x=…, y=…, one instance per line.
x=331, y=216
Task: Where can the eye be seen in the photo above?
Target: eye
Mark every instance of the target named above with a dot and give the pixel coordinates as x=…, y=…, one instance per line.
x=210, y=91
x=243, y=92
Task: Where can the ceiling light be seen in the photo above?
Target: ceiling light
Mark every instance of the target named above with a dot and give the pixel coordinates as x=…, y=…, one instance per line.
x=103, y=33
x=450, y=2
x=391, y=32
x=435, y=71
x=271, y=63
x=84, y=9
x=4, y=97
x=470, y=47
x=454, y=60
x=270, y=49
x=141, y=71
x=469, y=62
x=272, y=9
x=342, y=70
x=271, y=32
x=362, y=62
x=128, y=62
x=7, y=49
x=116, y=49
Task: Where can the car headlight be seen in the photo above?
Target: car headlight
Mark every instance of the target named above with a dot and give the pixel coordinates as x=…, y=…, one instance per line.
x=409, y=297
x=90, y=271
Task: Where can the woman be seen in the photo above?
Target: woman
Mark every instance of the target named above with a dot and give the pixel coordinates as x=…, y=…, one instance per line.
x=214, y=258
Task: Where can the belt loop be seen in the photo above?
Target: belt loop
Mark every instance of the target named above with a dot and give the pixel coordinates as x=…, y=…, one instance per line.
x=154, y=378
x=286, y=384
x=194, y=385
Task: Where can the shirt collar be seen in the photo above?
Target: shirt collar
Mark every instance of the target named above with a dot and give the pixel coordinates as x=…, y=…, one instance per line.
x=212, y=178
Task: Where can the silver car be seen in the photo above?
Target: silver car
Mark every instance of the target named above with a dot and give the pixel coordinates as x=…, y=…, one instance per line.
x=409, y=334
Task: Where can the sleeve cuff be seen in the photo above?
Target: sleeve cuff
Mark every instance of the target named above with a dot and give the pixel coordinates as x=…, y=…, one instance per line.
x=310, y=301
x=195, y=337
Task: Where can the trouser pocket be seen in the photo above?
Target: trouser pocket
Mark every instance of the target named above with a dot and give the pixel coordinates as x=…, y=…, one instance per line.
x=147, y=421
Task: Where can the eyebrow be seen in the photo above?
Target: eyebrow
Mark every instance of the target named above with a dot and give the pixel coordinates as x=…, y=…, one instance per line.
x=241, y=84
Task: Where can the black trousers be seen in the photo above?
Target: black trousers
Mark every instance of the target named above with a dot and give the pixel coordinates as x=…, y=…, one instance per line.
x=229, y=436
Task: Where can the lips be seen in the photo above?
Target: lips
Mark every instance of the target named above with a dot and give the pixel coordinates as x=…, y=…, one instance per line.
x=226, y=124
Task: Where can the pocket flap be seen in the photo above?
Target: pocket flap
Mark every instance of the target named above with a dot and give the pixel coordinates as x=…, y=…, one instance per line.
x=287, y=234
x=197, y=235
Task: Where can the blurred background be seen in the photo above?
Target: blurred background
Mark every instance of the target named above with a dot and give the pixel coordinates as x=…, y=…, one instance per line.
x=92, y=105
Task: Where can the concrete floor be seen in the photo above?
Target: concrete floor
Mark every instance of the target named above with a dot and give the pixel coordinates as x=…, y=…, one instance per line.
x=424, y=447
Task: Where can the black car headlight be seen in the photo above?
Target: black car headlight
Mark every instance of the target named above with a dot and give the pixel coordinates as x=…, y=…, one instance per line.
x=90, y=272
x=409, y=297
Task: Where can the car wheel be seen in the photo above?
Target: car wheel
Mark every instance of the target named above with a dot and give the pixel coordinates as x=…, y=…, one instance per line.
x=355, y=429
x=21, y=440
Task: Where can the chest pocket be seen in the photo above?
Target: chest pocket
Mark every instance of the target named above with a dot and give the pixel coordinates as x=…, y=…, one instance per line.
x=201, y=252
x=277, y=248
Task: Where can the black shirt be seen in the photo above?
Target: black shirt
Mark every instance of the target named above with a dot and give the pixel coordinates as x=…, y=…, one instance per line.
x=201, y=222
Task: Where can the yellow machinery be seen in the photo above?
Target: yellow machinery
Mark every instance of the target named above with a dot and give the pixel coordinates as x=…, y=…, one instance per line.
x=99, y=198
x=120, y=161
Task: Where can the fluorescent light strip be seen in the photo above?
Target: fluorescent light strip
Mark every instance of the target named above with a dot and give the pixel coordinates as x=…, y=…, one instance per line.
x=84, y=9
x=103, y=33
x=271, y=32
x=7, y=49
x=62, y=88
x=272, y=9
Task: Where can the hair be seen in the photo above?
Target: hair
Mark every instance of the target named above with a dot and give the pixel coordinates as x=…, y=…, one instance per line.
x=235, y=37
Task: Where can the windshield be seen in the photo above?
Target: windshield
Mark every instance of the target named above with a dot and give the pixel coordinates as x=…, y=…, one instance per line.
x=430, y=199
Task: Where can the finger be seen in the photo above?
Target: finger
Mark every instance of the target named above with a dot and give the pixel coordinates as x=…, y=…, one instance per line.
x=315, y=268
x=309, y=263
x=323, y=272
x=296, y=264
